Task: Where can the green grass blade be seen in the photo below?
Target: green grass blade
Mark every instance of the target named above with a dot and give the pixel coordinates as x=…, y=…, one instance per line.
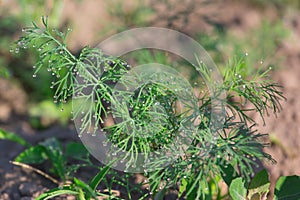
x=57, y=192
x=13, y=137
x=99, y=177
x=88, y=190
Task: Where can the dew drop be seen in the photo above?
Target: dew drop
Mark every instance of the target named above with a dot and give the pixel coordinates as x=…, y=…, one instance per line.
x=34, y=75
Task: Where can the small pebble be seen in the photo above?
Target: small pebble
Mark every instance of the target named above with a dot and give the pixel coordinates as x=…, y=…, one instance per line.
x=28, y=189
x=4, y=196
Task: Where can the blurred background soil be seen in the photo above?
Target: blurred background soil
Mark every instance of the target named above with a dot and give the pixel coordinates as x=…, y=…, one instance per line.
x=226, y=22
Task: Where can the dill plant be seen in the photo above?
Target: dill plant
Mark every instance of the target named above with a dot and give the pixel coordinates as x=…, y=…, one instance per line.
x=141, y=126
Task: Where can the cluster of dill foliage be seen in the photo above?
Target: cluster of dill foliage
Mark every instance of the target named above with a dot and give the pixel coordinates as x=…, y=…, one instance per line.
x=146, y=119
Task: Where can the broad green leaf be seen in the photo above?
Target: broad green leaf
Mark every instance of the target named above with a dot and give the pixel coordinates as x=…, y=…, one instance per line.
x=53, y=150
x=259, y=186
x=287, y=188
x=13, y=137
x=57, y=192
x=182, y=187
x=237, y=190
x=76, y=150
x=228, y=174
x=32, y=155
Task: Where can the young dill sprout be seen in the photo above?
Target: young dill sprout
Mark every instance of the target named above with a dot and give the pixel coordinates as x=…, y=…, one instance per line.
x=145, y=119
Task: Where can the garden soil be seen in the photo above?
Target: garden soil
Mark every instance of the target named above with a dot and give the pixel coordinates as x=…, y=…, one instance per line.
x=19, y=183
